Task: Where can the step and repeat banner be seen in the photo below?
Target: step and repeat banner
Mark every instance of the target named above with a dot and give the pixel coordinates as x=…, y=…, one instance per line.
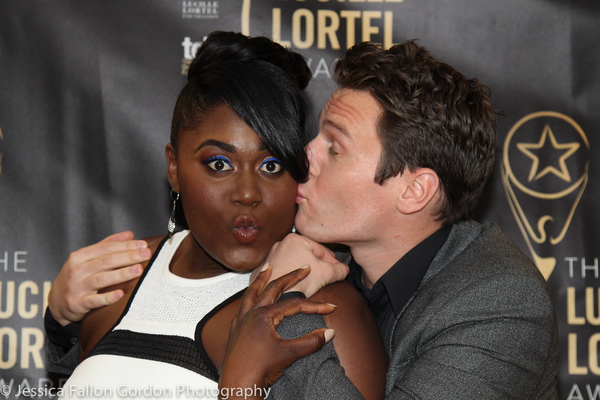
x=87, y=89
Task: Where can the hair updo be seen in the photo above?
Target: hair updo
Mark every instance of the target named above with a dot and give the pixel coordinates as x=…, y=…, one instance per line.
x=261, y=82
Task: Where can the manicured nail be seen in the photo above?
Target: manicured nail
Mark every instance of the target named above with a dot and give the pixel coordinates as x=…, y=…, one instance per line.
x=140, y=244
x=265, y=266
x=329, y=334
x=304, y=266
x=332, y=305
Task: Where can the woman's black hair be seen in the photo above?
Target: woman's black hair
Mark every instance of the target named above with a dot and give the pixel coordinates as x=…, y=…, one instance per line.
x=261, y=82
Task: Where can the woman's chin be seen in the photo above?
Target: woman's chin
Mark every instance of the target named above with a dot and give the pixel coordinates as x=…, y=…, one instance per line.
x=244, y=261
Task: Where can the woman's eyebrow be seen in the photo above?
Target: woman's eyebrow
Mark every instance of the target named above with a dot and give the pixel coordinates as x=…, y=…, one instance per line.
x=222, y=145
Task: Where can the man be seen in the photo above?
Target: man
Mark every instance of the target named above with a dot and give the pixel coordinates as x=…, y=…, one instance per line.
x=405, y=147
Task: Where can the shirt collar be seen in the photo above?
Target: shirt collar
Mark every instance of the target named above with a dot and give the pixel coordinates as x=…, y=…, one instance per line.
x=402, y=280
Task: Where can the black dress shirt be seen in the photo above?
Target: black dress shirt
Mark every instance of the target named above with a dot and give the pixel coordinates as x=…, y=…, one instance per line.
x=394, y=289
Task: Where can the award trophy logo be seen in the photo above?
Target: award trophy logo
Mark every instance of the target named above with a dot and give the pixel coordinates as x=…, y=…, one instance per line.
x=545, y=164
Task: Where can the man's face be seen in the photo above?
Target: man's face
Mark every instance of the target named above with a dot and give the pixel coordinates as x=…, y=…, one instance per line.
x=341, y=203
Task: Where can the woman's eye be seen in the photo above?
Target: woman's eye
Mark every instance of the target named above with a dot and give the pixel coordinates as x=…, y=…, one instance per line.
x=271, y=166
x=219, y=164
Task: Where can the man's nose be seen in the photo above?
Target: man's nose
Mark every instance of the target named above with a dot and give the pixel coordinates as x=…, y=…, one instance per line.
x=311, y=152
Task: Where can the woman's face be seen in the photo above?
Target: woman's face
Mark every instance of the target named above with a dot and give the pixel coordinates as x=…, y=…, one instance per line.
x=238, y=199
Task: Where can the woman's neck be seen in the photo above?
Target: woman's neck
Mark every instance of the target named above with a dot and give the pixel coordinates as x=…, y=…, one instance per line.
x=192, y=262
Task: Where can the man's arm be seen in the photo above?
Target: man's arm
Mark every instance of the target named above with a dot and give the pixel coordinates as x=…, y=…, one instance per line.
x=61, y=345
x=296, y=251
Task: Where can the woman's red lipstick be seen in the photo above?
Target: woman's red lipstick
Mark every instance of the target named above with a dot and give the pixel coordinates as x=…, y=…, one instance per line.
x=245, y=229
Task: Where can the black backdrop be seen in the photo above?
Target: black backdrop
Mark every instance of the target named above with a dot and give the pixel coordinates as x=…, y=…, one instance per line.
x=87, y=90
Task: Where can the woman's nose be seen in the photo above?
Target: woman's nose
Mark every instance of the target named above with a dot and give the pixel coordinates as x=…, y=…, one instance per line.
x=247, y=190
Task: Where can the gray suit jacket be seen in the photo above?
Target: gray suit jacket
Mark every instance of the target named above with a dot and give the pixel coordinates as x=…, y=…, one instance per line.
x=480, y=326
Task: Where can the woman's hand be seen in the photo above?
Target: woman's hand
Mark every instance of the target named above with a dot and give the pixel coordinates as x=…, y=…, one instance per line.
x=256, y=356
x=114, y=260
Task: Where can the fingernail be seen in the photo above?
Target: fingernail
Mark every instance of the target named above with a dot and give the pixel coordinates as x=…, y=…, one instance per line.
x=329, y=334
x=265, y=266
x=145, y=253
x=136, y=270
x=141, y=244
x=332, y=305
x=304, y=266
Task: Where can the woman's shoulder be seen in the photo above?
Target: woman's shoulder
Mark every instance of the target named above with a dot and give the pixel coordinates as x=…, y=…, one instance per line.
x=357, y=342
x=154, y=241
x=341, y=294
x=352, y=319
x=99, y=321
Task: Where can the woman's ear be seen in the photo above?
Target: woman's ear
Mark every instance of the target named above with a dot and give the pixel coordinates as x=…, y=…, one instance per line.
x=172, y=175
x=418, y=189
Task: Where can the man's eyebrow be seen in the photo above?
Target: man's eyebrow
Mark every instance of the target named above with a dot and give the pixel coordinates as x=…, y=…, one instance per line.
x=337, y=127
x=212, y=142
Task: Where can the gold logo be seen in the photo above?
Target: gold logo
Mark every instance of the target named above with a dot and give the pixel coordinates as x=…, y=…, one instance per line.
x=321, y=25
x=544, y=172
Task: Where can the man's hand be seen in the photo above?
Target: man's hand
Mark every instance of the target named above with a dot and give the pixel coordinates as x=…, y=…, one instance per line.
x=295, y=251
x=256, y=356
x=114, y=260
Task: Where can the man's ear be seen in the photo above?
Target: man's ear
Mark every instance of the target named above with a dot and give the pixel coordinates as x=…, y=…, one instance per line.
x=172, y=175
x=418, y=189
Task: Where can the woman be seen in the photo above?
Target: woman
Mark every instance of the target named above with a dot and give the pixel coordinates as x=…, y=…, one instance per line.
x=235, y=157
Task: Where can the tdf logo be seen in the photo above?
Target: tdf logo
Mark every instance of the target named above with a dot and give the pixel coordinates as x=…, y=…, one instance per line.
x=544, y=172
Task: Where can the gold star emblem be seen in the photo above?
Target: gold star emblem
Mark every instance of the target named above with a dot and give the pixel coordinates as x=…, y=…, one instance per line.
x=569, y=149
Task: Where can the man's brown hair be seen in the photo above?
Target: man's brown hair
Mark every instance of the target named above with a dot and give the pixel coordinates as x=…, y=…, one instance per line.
x=433, y=117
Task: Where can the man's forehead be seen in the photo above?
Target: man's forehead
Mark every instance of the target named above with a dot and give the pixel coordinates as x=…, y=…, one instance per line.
x=350, y=107
x=334, y=96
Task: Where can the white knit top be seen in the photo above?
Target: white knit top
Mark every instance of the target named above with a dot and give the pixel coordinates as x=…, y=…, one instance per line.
x=151, y=352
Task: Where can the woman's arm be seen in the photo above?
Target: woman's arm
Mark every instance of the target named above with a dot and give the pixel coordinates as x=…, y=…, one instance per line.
x=257, y=355
x=352, y=366
x=358, y=342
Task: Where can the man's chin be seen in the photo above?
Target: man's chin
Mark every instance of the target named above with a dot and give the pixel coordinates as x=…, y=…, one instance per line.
x=314, y=231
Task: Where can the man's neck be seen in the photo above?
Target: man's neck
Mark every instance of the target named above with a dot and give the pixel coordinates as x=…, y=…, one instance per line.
x=377, y=257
